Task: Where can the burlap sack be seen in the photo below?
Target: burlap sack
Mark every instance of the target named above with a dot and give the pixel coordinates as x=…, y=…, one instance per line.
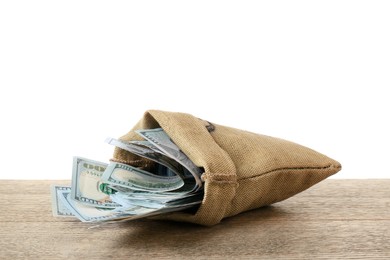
x=243, y=170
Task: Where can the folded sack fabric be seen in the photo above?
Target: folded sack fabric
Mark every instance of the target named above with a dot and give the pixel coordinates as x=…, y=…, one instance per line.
x=242, y=170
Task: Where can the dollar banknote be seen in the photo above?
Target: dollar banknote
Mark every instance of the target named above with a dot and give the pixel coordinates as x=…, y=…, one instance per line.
x=103, y=192
x=87, y=184
x=157, y=201
x=59, y=209
x=159, y=157
x=131, y=177
x=147, y=144
x=162, y=141
x=88, y=213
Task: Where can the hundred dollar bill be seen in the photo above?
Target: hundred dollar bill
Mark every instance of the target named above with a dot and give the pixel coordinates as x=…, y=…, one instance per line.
x=162, y=141
x=146, y=152
x=128, y=202
x=157, y=202
x=92, y=214
x=163, y=160
x=64, y=205
x=131, y=177
x=58, y=207
x=87, y=185
x=162, y=197
x=147, y=144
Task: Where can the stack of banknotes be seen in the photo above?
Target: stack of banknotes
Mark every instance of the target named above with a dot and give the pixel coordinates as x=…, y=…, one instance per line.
x=117, y=191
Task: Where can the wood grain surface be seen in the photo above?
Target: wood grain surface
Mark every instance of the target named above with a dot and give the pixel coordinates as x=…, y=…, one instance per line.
x=336, y=219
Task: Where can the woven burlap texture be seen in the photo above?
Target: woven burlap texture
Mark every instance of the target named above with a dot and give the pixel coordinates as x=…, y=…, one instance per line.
x=243, y=170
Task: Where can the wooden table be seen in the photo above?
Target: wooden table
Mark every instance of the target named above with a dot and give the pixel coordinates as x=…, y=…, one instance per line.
x=347, y=219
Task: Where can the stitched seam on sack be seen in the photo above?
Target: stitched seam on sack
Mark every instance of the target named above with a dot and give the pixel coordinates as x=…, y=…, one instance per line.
x=219, y=178
x=293, y=168
x=221, y=181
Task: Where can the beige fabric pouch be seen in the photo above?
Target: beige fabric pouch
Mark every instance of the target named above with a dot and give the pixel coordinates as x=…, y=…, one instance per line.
x=243, y=170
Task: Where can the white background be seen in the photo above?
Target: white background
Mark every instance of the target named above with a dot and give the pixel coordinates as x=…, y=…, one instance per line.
x=74, y=72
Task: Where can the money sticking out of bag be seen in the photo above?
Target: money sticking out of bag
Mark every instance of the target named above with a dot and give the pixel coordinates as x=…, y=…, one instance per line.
x=117, y=191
